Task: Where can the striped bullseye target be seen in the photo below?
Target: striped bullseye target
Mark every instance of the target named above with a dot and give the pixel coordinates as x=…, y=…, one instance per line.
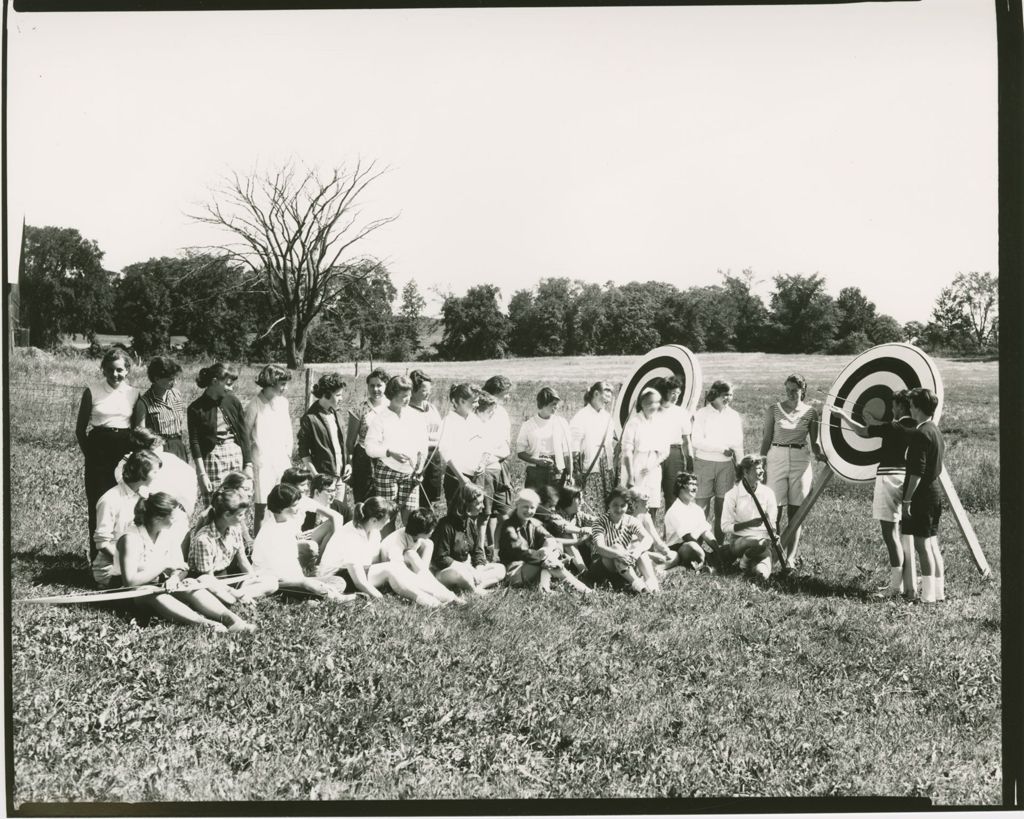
x=866, y=384
x=661, y=362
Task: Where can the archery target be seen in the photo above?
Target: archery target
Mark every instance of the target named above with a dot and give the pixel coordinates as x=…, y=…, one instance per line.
x=661, y=362
x=867, y=384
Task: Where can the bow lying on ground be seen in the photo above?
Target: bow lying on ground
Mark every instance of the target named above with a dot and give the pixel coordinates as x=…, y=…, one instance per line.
x=119, y=593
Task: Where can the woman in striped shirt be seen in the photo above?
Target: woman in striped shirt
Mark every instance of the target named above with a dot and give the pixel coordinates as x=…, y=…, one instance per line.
x=790, y=430
x=161, y=408
x=620, y=545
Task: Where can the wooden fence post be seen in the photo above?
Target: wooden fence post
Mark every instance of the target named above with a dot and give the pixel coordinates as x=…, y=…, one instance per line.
x=309, y=387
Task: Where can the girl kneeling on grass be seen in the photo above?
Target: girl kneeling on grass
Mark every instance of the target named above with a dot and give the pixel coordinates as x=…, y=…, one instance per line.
x=355, y=554
x=621, y=545
x=217, y=546
x=459, y=560
x=145, y=557
x=529, y=551
x=275, y=552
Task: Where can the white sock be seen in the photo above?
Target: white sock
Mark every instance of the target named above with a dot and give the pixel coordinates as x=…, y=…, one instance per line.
x=940, y=588
x=895, y=579
x=764, y=568
x=927, y=589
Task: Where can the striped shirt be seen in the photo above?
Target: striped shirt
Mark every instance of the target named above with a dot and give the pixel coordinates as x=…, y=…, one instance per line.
x=792, y=428
x=164, y=416
x=621, y=535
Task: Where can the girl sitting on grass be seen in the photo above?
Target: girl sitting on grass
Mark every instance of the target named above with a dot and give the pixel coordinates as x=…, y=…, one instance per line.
x=217, y=546
x=412, y=547
x=621, y=545
x=529, y=551
x=687, y=528
x=275, y=551
x=317, y=521
x=459, y=560
x=145, y=558
x=115, y=512
x=567, y=534
x=659, y=552
x=355, y=554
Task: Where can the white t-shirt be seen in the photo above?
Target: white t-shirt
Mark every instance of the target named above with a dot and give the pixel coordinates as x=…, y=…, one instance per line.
x=715, y=430
x=462, y=442
x=350, y=546
x=685, y=519
x=588, y=429
x=677, y=422
x=545, y=436
x=275, y=550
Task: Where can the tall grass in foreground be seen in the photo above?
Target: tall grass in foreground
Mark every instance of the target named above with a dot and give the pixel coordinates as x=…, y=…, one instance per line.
x=716, y=688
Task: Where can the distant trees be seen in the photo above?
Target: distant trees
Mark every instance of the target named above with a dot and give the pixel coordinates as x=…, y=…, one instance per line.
x=474, y=326
x=966, y=314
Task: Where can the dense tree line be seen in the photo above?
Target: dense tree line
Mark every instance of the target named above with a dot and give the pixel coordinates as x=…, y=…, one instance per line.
x=226, y=311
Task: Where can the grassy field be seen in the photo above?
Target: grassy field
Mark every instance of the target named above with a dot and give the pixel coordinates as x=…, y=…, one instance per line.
x=715, y=688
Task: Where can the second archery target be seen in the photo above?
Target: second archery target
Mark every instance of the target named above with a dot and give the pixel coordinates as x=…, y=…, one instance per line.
x=867, y=383
x=661, y=362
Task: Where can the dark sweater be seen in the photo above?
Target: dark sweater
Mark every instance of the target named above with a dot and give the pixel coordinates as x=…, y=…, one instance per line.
x=202, y=425
x=315, y=440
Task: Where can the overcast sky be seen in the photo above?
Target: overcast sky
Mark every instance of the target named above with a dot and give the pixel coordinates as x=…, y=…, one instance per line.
x=854, y=141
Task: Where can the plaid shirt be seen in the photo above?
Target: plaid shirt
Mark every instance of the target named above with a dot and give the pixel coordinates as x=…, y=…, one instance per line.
x=164, y=416
x=210, y=551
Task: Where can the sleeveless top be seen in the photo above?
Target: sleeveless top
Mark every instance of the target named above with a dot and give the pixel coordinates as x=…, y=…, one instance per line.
x=112, y=406
x=792, y=428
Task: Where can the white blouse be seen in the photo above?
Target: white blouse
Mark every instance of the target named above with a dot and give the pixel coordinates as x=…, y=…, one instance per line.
x=463, y=442
x=112, y=406
x=588, y=429
x=350, y=546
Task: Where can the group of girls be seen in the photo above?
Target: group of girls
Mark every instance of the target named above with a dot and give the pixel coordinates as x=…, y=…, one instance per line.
x=400, y=459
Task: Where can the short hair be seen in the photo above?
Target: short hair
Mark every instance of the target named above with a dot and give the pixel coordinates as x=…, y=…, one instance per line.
x=648, y=390
x=161, y=367
x=718, y=388
x=144, y=438
x=157, y=505
x=321, y=481
x=233, y=480
x=396, y=385
x=547, y=396
x=683, y=479
x=635, y=496
x=567, y=496
x=614, y=494
x=924, y=400
x=484, y=401
x=115, y=354
x=745, y=463
x=224, y=500
x=901, y=397
x=272, y=376
x=418, y=379
x=528, y=496
x=549, y=496
x=668, y=384
x=140, y=465
x=295, y=475
x=594, y=389
x=374, y=508
x=465, y=495
x=497, y=384
x=800, y=381
x=380, y=374
x=461, y=392
x=219, y=371
x=328, y=384
x=281, y=497
x=421, y=522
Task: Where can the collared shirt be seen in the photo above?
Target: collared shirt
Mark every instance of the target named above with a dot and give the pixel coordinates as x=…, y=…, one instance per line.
x=738, y=506
x=152, y=557
x=677, y=422
x=210, y=551
x=115, y=512
x=685, y=520
x=275, y=550
x=643, y=437
x=589, y=431
x=462, y=443
x=364, y=412
x=175, y=477
x=405, y=433
x=518, y=539
x=716, y=430
x=112, y=406
x=497, y=432
x=456, y=538
x=545, y=436
x=432, y=418
x=164, y=416
x=351, y=545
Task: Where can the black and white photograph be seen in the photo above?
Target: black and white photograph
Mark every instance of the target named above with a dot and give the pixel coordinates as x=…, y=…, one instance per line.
x=550, y=403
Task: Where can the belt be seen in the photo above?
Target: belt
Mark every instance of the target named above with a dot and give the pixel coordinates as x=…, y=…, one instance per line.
x=675, y=446
x=109, y=430
x=790, y=446
x=170, y=435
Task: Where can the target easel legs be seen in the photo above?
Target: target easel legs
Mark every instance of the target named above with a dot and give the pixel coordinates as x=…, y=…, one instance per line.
x=821, y=480
x=964, y=523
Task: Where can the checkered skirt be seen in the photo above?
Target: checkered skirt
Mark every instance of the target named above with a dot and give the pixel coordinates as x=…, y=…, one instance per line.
x=395, y=486
x=223, y=458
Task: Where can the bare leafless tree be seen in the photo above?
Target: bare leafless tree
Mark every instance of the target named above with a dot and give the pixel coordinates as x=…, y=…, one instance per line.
x=294, y=232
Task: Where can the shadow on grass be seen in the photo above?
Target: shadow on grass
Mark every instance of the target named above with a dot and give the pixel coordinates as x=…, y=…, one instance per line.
x=811, y=586
x=56, y=570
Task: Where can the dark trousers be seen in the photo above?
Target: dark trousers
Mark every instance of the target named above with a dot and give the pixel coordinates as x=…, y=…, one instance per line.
x=362, y=474
x=104, y=449
x=432, y=488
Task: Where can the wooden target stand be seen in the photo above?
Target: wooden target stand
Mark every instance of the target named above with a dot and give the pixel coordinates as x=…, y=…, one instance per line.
x=908, y=363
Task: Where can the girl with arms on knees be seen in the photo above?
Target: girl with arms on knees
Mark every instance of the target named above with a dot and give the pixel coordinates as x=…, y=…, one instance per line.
x=216, y=429
x=790, y=430
x=412, y=547
x=592, y=435
x=747, y=536
x=687, y=529
x=638, y=508
x=644, y=447
x=461, y=445
x=459, y=560
x=431, y=487
x=269, y=428
x=528, y=550
x=217, y=547
x=106, y=412
x=678, y=425
x=566, y=533
x=355, y=554
x=358, y=424
x=161, y=408
x=115, y=512
x=543, y=444
x=621, y=546
x=146, y=558
x=717, y=447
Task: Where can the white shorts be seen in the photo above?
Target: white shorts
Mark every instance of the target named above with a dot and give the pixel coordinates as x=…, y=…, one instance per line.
x=790, y=474
x=885, y=505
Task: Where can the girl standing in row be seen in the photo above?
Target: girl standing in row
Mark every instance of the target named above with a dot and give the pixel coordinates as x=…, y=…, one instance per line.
x=161, y=408
x=358, y=424
x=269, y=427
x=216, y=429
